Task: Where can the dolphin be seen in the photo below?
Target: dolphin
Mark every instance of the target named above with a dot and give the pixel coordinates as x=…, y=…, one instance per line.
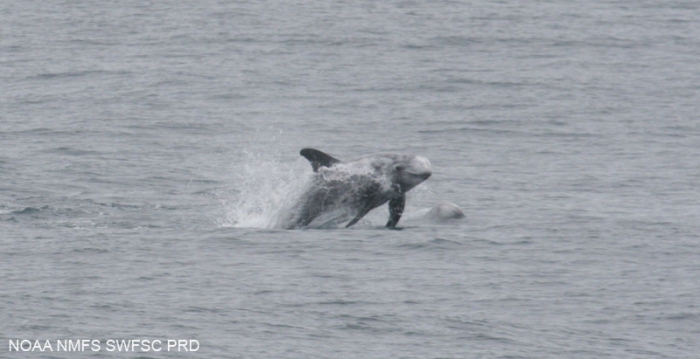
x=445, y=211
x=441, y=213
x=342, y=191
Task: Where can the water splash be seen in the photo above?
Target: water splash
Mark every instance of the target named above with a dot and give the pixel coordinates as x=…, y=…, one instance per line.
x=262, y=190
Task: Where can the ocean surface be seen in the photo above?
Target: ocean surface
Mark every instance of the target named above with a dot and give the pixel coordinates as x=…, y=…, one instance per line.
x=145, y=147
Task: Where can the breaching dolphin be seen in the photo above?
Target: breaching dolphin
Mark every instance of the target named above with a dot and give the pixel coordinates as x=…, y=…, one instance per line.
x=342, y=191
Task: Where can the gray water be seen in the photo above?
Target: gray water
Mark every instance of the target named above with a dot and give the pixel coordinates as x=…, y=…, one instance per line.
x=145, y=145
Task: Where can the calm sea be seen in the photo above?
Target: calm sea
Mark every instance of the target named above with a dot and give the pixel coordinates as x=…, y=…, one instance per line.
x=145, y=147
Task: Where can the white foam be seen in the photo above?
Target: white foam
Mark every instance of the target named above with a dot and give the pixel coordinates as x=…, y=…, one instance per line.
x=261, y=190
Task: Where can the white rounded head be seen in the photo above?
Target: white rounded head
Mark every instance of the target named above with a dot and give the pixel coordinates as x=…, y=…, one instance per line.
x=412, y=170
x=445, y=211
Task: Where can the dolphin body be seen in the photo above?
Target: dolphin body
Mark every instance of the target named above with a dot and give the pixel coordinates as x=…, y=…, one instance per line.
x=342, y=191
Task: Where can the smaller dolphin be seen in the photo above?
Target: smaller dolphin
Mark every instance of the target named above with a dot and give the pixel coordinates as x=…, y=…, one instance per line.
x=445, y=211
x=342, y=191
x=441, y=213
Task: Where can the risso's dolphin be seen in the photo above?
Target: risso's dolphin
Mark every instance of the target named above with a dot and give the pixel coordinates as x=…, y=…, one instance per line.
x=445, y=211
x=441, y=213
x=342, y=191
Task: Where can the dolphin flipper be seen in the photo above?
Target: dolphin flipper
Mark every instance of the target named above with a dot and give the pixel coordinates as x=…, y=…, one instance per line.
x=396, y=206
x=362, y=213
x=377, y=200
x=318, y=158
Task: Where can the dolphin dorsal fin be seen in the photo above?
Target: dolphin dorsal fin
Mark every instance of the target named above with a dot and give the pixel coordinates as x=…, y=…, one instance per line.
x=318, y=158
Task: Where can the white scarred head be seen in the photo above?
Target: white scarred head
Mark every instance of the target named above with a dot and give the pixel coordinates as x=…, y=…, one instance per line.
x=402, y=172
x=412, y=171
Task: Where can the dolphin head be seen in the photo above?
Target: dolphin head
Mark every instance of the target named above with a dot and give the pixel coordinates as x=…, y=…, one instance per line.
x=410, y=171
